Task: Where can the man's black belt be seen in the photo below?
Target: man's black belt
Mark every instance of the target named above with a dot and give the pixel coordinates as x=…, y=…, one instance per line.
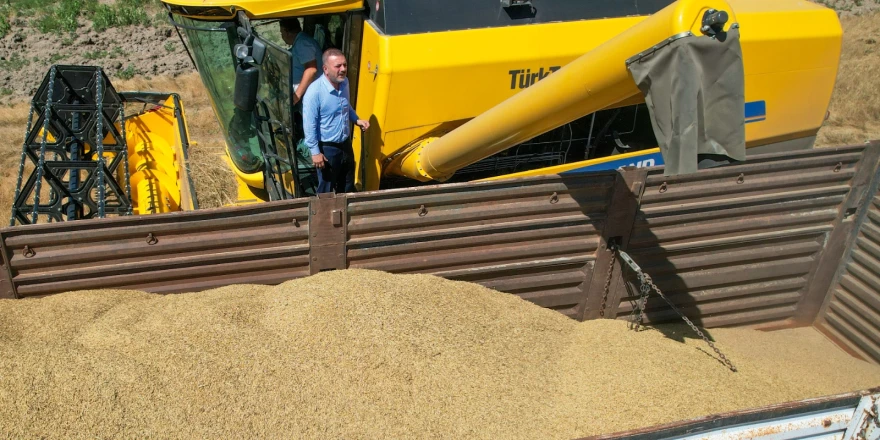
x=333, y=144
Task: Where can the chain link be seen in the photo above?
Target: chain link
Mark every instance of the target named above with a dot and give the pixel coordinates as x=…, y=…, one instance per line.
x=24, y=148
x=638, y=313
x=648, y=281
x=47, y=114
x=607, y=288
x=125, y=159
x=99, y=135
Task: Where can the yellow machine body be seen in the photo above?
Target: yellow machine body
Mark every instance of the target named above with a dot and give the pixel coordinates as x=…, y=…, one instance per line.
x=159, y=177
x=416, y=88
x=792, y=69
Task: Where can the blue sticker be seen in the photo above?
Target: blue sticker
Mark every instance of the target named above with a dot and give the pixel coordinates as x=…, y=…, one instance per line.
x=756, y=111
x=642, y=161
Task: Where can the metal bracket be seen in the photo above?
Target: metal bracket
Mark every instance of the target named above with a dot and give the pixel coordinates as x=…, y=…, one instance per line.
x=327, y=232
x=515, y=3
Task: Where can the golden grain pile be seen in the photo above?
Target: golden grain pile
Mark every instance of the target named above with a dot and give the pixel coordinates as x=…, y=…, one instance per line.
x=362, y=354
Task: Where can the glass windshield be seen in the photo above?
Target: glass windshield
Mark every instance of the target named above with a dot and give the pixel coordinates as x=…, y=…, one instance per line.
x=212, y=46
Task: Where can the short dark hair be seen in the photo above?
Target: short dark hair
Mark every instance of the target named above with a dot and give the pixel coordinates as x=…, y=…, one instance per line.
x=291, y=25
x=332, y=52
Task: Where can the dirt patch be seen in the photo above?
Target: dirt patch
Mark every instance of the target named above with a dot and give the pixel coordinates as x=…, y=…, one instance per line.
x=851, y=7
x=124, y=53
x=855, y=105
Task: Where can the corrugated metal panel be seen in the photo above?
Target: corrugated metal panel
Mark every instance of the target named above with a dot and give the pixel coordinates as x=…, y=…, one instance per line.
x=852, y=315
x=738, y=245
x=190, y=251
x=536, y=238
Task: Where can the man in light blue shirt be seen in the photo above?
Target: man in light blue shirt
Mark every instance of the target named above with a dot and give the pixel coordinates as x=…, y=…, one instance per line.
x=327, y=118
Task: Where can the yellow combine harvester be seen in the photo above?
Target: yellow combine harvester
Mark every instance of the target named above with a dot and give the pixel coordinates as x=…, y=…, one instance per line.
x=465, y=90
x=421, y=69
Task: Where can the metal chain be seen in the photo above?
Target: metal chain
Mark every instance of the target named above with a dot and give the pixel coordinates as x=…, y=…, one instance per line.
x=99, y=135
x=638, y=312
x=47, y=114
x=125, y=160
x=607, y=288
x=647, y=284
x=52, y=192
x=648, y=281
x=24, y=146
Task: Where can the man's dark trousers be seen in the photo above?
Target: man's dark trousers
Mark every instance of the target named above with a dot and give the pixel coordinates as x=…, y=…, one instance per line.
x=338, y=172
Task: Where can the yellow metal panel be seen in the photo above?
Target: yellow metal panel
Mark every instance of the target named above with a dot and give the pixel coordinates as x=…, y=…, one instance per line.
x=792, y=68
x=372, y=102
x=158, y=176
x=791, y=50
x=588, y=84
x=269, y=8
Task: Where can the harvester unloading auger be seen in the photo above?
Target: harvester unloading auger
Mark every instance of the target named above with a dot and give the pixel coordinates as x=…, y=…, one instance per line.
x=692, y=76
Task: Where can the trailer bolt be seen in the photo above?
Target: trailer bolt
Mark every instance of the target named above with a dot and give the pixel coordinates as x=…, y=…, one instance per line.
x=28, y=252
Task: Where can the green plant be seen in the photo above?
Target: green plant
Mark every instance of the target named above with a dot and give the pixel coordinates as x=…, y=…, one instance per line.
x=47, y=23
x=4, y=25
x=103, y=18
x=5, y=92
x=169, y=46
x=95, y=55
x=67, y=12
x=117, y=51
x=121, y=13
x=60, y=17
x=14, y=63
x=128, y=73
x=56, y=57
x=129, y=14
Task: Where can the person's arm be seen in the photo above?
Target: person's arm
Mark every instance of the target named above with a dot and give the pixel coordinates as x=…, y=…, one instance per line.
x=309, y=75
x=312, y=128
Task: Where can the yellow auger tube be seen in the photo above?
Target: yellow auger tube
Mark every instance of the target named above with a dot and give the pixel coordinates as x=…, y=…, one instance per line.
x=592, y=82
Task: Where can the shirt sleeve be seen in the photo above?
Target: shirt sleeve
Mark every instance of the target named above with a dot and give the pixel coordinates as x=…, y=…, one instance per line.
x=311, y=113
x=303, y=52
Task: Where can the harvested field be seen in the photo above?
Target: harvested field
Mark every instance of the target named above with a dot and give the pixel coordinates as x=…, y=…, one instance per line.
x=364, y=354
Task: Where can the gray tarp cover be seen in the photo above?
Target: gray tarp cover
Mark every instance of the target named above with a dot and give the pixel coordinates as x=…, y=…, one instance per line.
x=695, y=91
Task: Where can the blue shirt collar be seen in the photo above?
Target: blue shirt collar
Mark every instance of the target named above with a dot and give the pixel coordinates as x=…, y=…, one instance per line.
x=329, y=87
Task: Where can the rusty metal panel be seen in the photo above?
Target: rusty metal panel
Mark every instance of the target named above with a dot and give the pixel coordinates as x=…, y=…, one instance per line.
x=165, y=253
x=536, y=238
x=7, y=289
x=327, y=235
x=739, y=245
x=851, y=316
